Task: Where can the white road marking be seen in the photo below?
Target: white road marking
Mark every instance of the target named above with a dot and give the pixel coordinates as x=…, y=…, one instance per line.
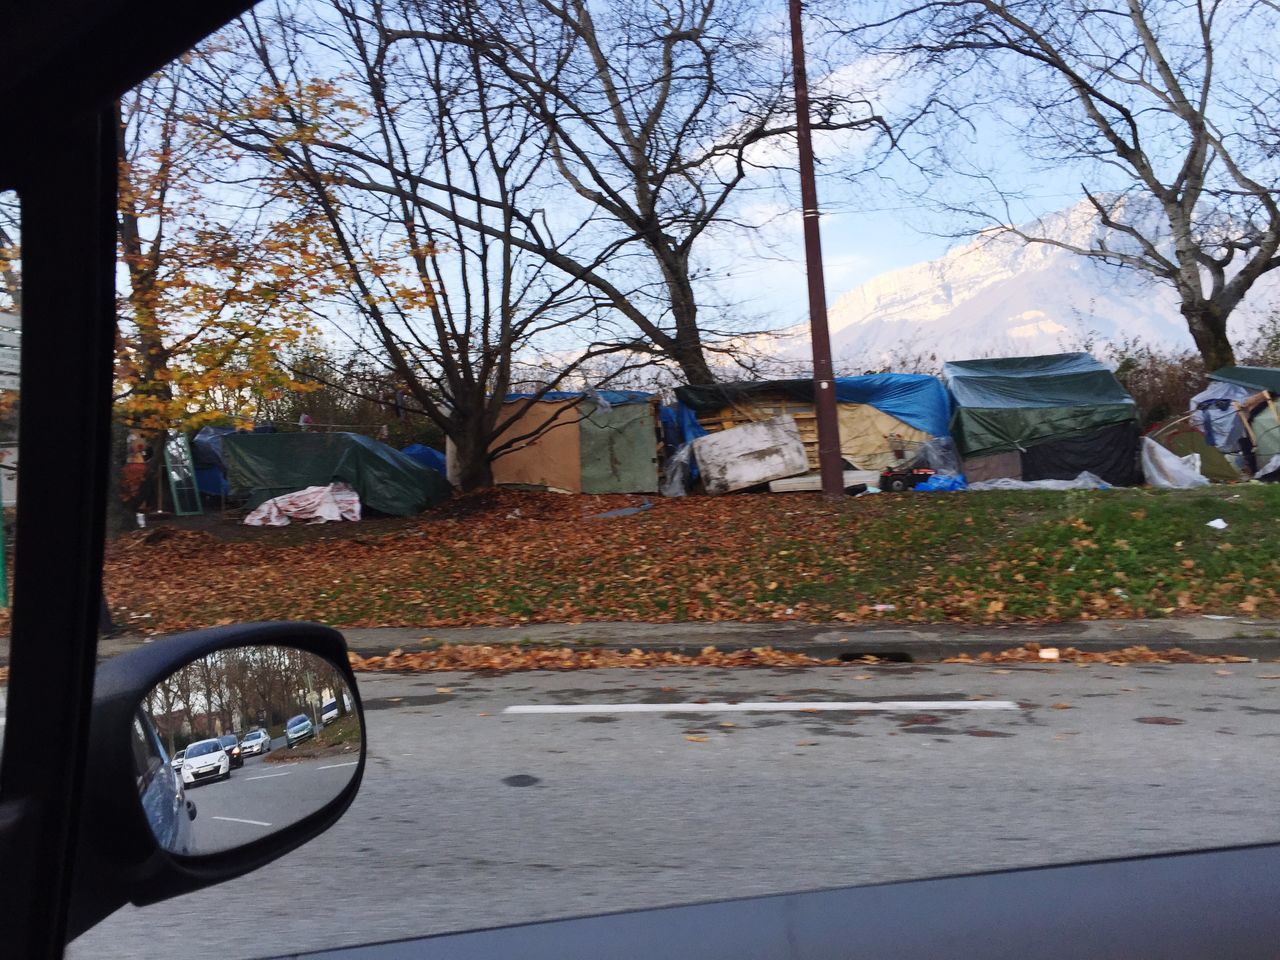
x=335, y=766
x=784, y=706
x=267, y=776
x=256, y=823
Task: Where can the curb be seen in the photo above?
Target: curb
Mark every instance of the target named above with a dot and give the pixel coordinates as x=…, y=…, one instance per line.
x=903, y=651
x=903, y=643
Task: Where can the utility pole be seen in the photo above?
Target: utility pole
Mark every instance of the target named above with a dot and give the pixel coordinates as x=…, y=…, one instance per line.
x=830, y=464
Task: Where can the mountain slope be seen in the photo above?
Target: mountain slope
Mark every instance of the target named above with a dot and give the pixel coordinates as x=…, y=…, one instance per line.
x=998, y=296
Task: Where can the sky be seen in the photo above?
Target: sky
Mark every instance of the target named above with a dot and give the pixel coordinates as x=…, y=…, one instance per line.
x=868, y=226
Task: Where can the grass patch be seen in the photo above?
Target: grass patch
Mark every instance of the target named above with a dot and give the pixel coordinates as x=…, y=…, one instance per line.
x=974, y=557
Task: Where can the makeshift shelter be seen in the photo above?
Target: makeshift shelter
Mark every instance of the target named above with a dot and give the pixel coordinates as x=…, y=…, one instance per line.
x=265, y=465
x=604, y=441
x=1043, y=418
x=427, y=456
x=1240, y=410
x=206, y=454
x=884, y=418
x=1184, y=441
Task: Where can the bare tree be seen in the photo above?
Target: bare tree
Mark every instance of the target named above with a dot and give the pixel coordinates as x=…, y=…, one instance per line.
x=657, y=115
x=1165, y=105
x=447, y=291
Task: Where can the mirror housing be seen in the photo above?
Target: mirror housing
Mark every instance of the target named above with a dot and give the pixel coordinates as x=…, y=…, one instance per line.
x=118, y=860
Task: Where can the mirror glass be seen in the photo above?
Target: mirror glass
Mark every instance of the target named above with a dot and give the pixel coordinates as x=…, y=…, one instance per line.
x=242, y=744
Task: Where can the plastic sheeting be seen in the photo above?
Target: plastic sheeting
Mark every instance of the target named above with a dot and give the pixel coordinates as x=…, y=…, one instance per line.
x=1085, y=481
x=942, y=482
x=1168, y=471
x=1214, y=413
x=940, y=455
x=677, y=478
x=428, y=457
x=916, y=399
x=336, y=501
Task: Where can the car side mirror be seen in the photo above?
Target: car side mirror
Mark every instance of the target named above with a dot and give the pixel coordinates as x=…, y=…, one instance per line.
x=146, y=832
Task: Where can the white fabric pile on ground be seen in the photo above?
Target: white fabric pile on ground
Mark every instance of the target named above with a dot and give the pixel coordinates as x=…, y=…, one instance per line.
x=1165, y=469
x=1083, y=481
x=317, y=504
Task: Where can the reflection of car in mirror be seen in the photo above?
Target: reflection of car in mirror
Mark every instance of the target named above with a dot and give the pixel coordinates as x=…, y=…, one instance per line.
x=202, y=703
x=329, y=712
x=160, y=788
x=255, y=742
x=176, y=762
x=205, y=760
x=298, y=728
x=232, y=746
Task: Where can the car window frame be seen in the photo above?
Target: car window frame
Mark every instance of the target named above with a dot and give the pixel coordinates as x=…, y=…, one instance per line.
x=65, y=61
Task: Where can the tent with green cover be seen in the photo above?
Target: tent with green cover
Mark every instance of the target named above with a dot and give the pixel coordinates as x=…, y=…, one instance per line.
x=1044, y=418
x=266, y=465
x=1259, y=407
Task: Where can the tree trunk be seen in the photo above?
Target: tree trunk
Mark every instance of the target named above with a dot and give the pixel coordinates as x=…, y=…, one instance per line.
x=474, y=470
x=1208, y=326
x=686, y=348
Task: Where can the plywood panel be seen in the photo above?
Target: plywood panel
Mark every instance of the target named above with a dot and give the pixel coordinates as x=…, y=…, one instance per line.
x=554, y=458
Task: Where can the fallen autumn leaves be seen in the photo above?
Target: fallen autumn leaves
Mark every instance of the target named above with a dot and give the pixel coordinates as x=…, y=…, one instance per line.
x=513, y=658
x=505, y=558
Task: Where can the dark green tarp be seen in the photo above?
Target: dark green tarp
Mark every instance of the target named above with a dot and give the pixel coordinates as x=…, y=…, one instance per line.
x=1255, y=378
x=266, y=465
x=1016, y=402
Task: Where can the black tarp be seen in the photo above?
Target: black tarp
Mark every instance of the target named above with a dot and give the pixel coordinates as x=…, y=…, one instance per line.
x=1110, y=453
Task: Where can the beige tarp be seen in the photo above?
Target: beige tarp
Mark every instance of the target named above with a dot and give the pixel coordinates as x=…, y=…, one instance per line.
x=863, y=433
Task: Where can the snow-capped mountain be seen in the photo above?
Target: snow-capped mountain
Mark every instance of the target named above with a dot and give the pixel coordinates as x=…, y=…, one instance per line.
x=1000, y=296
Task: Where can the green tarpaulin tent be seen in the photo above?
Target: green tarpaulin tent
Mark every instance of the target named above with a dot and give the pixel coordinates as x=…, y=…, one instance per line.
x=1255, y=378
x=1264, y=420
x=266, y=465
x=1016, y=403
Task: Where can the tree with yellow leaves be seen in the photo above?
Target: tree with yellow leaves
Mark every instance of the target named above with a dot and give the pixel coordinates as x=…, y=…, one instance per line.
x=216, y=283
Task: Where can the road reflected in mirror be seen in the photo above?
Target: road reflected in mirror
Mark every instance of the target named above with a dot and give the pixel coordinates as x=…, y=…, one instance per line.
x=241, y=744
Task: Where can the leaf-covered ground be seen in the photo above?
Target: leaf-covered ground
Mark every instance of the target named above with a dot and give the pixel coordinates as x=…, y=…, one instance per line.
x=515, y=658
x=510, y=557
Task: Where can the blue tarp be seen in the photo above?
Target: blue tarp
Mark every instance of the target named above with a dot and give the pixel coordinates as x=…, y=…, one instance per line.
x=206, y=454
x=212, y=480
x=918, y=400
x=426, y=456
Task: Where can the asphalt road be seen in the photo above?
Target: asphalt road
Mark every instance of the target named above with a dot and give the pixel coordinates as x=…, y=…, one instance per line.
x=261, y=798
x=469, y=816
